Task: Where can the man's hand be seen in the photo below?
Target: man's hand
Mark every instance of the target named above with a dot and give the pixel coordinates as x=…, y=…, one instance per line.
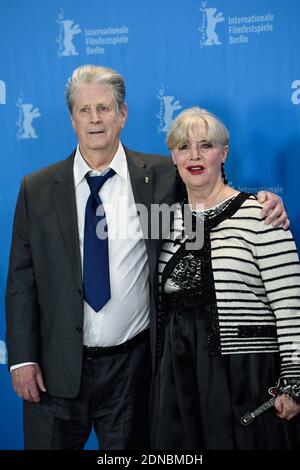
x=273, y=209
x=27, y=382
x=286, y=407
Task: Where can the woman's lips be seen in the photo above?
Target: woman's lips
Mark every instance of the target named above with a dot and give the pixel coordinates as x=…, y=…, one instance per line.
x=196, y=169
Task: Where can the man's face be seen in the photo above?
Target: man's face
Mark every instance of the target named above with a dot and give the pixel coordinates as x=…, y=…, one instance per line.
x=96, y=120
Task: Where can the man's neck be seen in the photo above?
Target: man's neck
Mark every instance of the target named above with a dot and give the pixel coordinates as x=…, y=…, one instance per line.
x=98, y=160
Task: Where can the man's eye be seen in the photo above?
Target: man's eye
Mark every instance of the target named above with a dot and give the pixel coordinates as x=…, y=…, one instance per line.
x=84, y=110
x=103, y=109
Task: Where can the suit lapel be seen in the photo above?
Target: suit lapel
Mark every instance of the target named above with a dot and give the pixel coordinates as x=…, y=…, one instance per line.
x=65, y=205
x=141, y=180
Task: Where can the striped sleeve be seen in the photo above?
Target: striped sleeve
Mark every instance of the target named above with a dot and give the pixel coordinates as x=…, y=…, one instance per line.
x=278, y=262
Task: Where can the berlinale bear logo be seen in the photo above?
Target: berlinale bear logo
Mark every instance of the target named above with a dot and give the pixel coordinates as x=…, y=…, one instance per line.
x=210, y=19
x=27, y=113
x=2, y=92
x=168, y=106
x=65, y=39
x=3, y=353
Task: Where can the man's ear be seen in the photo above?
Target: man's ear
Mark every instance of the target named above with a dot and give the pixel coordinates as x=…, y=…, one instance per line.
x=72, y=121
x=124, y=112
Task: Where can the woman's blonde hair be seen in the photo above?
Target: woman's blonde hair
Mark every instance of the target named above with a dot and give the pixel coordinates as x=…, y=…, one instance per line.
x=199, y=124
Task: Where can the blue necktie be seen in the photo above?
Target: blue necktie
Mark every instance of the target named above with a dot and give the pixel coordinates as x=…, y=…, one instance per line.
x=96, y=284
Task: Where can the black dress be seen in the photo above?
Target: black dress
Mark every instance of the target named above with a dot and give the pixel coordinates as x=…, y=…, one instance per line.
x=198, y=397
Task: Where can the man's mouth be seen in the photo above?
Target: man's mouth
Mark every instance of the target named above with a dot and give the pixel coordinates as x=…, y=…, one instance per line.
x=96, y=132
x=196, y=169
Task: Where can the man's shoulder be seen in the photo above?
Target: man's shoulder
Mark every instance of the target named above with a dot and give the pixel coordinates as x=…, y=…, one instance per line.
x=48, y=172
x=151, y=159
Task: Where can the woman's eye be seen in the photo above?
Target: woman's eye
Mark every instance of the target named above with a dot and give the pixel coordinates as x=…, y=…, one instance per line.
x=183, y=147
x=206, y=145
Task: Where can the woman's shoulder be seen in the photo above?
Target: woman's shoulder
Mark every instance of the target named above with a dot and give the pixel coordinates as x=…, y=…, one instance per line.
x=245, y=213
x=250, y=213
x=250, y=207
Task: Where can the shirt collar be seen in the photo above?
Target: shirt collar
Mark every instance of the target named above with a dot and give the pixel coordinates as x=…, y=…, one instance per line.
x=81, y=168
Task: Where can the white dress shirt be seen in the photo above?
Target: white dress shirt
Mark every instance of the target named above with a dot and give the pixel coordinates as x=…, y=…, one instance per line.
x=127, y=312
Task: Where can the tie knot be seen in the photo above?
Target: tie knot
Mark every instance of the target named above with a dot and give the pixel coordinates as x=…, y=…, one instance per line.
x=96, y=182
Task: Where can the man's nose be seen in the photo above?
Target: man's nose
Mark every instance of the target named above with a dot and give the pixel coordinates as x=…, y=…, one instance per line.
x=95, y=115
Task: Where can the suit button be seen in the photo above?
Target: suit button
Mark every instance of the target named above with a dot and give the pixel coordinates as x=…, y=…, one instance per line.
x=79, y=329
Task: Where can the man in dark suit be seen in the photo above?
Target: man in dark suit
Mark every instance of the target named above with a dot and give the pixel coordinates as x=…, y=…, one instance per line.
x=78, y=343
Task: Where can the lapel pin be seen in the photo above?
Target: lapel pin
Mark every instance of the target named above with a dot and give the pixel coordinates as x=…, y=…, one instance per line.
x=147, y=179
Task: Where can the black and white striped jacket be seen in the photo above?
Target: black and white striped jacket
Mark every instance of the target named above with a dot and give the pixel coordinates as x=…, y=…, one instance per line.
x=256, y=274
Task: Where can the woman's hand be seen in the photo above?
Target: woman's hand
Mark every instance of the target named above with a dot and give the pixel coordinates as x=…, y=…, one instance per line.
x=286, y=407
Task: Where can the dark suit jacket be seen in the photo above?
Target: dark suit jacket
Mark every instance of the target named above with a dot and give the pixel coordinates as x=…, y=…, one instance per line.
x=44, y=289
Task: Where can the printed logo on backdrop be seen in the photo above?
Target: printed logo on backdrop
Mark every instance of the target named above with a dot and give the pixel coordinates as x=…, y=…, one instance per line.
x=168, y=106
x=210, y=18
x=3, y=353
x=93, y=40
x=239, y=29
x=295, y=97
x=2, y=92
x=27, y=113
x=67, y=31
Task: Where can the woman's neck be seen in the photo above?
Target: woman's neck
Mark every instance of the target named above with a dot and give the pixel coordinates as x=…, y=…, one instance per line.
x=209, y=198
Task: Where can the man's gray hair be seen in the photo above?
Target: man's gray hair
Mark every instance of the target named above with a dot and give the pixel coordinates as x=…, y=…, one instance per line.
x=96, y=74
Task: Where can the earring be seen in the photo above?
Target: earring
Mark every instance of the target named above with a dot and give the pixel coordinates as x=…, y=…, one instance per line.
x=225, y=180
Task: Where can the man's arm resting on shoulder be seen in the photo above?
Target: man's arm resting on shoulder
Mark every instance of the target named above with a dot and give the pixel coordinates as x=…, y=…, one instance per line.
x=273, y=209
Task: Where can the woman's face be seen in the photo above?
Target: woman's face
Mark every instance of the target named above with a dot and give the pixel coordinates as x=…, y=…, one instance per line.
x=199, y=163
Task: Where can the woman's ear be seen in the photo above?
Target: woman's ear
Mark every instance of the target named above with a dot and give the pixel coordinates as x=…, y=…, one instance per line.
x=225, y=153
